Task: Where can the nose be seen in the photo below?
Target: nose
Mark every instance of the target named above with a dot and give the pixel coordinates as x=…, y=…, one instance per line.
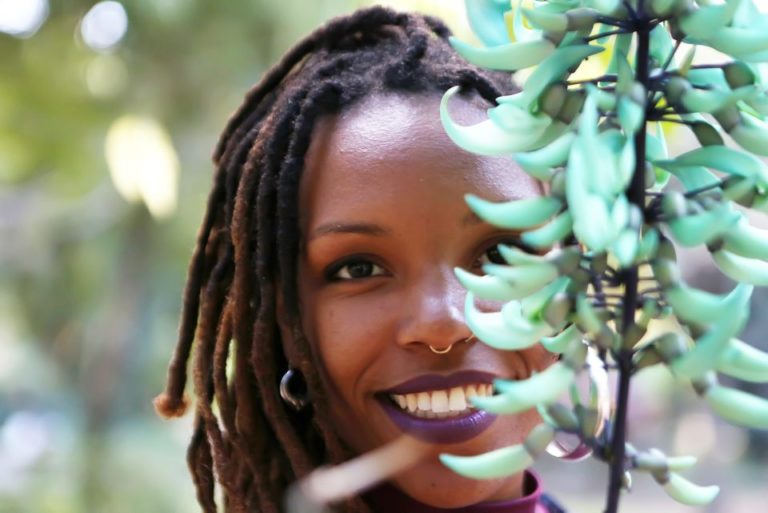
x=433, y=313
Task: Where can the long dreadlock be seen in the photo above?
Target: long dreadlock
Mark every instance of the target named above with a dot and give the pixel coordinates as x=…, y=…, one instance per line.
x=244, y=436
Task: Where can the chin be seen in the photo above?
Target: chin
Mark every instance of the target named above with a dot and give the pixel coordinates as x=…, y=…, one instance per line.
x=433, y=484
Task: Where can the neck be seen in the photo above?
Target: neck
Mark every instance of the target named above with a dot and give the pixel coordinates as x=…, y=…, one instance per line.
x=386, y=498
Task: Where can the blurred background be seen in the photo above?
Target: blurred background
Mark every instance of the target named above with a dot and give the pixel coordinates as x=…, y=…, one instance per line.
x=108, y=115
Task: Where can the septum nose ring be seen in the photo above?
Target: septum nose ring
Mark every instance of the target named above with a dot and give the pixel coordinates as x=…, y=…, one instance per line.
x=440, y=351
x=447, y=349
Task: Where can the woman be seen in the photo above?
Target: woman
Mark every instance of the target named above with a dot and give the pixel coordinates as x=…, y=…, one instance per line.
x=324, y=266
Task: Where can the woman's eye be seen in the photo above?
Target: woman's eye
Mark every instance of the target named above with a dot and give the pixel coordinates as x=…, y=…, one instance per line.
x=355, y=270
x=492, y=256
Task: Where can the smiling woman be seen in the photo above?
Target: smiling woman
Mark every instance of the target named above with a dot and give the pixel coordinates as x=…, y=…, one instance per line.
x=381, y=204
x=325, y=270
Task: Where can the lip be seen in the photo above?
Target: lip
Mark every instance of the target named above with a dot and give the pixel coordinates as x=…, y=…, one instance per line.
x=428, y=382
x=450, y=430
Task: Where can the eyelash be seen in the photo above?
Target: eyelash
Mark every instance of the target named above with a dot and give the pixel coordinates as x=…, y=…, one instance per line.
x=332, y=274
x=506, y=242
x=496, y=259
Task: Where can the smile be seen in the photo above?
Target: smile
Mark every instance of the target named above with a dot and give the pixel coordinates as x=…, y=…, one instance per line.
x=436, y=408
x=441, y=404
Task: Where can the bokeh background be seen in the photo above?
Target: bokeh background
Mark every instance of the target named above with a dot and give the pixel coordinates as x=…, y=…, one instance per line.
x=108, y=114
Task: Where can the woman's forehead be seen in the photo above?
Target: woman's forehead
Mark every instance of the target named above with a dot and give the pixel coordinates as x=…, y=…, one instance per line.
x=388, y=144
x=386, y=130
x=399, y=118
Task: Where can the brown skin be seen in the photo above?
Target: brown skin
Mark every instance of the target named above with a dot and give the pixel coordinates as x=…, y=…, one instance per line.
x=387, y=164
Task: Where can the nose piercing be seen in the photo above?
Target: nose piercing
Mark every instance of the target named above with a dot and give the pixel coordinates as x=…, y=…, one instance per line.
x=440, y=351
x=443, y=351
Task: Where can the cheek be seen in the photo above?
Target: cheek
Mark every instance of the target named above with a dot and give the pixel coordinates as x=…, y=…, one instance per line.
x=532, y=360
x=347, y=338
x=541, y=358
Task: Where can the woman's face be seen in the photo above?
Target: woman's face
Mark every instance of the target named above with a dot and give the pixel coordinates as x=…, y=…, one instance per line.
x=384, y=224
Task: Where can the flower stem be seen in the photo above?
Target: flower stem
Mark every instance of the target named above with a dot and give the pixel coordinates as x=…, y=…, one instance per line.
x=671, y=56
x=629, y=278
x=594, y=80
x=604, y=34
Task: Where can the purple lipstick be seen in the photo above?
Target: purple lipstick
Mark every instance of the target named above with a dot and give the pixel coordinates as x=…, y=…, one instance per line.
x=457, y=426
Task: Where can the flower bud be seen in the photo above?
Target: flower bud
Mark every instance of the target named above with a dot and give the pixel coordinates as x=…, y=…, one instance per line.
x=738, y=74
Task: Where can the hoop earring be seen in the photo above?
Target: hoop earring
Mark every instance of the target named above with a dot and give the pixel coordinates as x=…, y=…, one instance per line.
x=598, y=382
x=295, y=402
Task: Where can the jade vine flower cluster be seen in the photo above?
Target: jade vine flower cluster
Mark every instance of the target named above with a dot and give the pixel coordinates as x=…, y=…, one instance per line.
x=609, y=222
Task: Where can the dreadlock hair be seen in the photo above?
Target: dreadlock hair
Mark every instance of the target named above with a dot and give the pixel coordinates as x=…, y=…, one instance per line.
x=245, y=438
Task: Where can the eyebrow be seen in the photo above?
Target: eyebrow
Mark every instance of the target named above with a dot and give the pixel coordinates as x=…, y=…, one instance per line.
x=337, y=227
x=470, y=219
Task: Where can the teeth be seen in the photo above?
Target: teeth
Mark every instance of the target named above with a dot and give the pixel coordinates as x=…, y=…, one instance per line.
x=456, y=401
x=439, y=401
x=411, y=400
x=442, y=403
x=423, y=399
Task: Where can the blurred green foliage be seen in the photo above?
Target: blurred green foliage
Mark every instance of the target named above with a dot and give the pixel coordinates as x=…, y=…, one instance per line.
x=90, y=284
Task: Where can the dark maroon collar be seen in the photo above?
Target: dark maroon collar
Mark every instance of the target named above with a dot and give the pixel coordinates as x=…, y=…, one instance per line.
x=386, y=498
